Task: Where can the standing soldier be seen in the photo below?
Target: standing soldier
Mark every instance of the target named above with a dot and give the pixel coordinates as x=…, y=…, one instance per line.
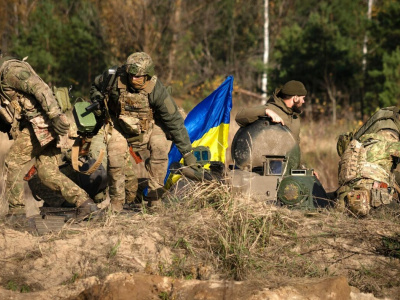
x=34, y=117
x=136, y=101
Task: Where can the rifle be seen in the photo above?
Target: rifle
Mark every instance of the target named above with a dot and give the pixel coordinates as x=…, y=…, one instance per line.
x=109, y=78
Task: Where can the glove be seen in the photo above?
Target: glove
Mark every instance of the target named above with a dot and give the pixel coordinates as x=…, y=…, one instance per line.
x=60, y=124
x=189, y=159
x=97, y=97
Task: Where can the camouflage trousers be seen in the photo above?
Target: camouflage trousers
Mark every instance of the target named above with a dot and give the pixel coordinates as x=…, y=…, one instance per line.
x=157, y=163
x=66, y=180
x=122, y=181
x=25, y=147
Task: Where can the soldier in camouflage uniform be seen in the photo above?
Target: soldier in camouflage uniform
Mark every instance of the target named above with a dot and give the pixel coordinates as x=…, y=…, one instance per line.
x=366, y=172
x=137, y=101
x=57, y=170
x=28, y=105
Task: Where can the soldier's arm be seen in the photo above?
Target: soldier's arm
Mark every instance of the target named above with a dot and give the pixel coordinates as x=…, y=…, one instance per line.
x=95, y=88
x=393, y=148
x=249, y=115
x=20, y=77
x=165, y=107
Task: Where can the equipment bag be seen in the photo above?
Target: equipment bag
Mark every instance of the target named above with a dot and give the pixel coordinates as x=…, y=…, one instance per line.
x=62, y=96
x=385, y=118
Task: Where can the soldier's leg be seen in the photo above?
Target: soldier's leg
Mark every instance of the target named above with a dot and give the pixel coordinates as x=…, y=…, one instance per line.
x=98, y=145
x=117, y=150
x=24, y=148
x=131, y=181
x=48, y=172
x=157, y=164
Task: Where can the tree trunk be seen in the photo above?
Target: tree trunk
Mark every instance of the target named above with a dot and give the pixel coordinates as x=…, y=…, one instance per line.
x=331, y=91
x=264, y=82
x=176, y=25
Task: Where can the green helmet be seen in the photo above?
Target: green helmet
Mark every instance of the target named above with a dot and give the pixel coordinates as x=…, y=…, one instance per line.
x=140, y=64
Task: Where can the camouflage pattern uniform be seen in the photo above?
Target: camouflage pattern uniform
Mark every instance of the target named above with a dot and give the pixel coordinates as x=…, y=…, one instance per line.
x=29, y=105
x=133, y=111
x=276, y=104
x=366, y=176
x=66, y=181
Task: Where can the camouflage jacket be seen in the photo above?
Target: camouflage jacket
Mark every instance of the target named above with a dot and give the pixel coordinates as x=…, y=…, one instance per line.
x=161, y=103
x=290, y=118
x=381, y=151
x=19, y=81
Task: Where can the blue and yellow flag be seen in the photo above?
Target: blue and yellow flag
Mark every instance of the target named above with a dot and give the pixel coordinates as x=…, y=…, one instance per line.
x=208, y=125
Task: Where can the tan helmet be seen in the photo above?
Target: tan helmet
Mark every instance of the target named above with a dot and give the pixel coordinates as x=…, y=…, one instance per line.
x=140, y=64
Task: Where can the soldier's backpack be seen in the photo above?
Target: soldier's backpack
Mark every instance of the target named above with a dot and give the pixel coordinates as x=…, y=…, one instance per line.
x=385, y=118
x=354, y=165
x=62, y=97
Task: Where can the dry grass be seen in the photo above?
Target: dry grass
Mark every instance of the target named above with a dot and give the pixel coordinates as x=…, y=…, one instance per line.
x=318, y=147
x=241, y=239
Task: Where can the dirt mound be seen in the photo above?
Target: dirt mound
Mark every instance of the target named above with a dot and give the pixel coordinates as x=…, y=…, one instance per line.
x=204, y=249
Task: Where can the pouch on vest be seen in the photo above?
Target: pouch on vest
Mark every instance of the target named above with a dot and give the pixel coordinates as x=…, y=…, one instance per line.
x=358, y=202
x=129, y=124
x=42, y=131
x=343, y=141
x=62, y=97
x=381, y=196
x=349, y=161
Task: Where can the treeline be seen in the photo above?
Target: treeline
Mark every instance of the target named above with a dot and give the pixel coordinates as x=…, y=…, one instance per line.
x=349, y=62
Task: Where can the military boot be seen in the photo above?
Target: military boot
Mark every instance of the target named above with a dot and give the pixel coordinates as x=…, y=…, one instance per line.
x=117, y=206
x=86, y=209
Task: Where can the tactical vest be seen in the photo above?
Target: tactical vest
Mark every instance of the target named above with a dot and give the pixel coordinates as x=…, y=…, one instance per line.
x=10, y=110
x=15, y=104
x=385, y=118
x=135, y=115
x=353, y=165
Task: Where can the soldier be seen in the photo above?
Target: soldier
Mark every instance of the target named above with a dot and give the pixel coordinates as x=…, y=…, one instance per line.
x=136, y=101
x=366, y=172
x=34, y=117
x=76, y=169
x=284, y=107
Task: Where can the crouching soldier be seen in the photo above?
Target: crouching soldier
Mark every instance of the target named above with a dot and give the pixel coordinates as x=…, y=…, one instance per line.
x=74, y=169
x=34, y=119
x=366, y=172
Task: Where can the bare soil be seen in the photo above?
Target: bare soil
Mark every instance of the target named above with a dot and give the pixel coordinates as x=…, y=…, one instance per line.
x=174, y=247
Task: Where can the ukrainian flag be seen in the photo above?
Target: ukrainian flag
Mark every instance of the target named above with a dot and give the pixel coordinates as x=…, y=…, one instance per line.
x=208, y=125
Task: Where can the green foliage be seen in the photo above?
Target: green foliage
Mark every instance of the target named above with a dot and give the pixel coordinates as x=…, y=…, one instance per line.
x=13, y=286
x=318, y=42
x=391, y=72
x=63, y=43
x=323, y=50
x=114, y=250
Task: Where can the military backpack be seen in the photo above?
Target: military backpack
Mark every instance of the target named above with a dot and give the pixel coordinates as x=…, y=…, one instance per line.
x=385, y=118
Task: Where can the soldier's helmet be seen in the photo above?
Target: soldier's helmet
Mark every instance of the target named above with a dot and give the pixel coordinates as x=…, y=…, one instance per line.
x=140, y=64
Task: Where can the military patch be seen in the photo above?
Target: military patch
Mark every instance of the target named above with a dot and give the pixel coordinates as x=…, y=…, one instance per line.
x=23, y=75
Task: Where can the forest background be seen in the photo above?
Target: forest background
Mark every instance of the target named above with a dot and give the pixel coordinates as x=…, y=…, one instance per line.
x=196, y=44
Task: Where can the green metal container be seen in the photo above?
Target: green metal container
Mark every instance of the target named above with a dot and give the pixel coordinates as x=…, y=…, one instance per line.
x=85, y=121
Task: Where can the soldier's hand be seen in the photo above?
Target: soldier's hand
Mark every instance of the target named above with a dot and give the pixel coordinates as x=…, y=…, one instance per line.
x=97, y=96
x=275, y=118
x=60, y=124
x=189, y=159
